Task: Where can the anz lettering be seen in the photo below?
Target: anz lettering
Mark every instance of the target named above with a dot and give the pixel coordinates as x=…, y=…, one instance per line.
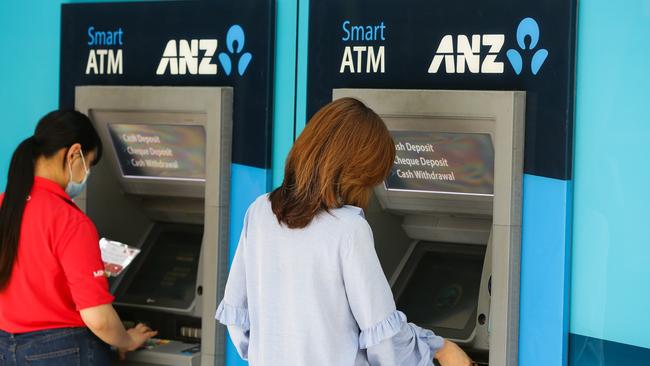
x=466, y=54
x=189, y=57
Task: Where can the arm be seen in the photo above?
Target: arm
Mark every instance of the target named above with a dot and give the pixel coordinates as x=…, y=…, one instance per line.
x=385, y=333
x=451, y=355
x=79, y=255
x=413, y=345
x=104, y=322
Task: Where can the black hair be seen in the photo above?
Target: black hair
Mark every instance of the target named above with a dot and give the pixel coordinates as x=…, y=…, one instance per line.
x=55, y=131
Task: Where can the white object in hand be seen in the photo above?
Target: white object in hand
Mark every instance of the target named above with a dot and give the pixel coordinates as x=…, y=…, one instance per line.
x=116, y=256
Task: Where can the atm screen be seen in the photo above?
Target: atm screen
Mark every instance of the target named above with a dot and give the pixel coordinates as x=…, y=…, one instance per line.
x=442, y=162
x=167, y=273
x=442, y=291
x=160, y=151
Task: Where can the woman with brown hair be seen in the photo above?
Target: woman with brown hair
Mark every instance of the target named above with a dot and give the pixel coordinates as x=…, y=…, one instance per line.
x=306, y=287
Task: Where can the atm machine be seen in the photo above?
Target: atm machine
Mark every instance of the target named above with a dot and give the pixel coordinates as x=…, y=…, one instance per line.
x=447, y=221
x=163, y=186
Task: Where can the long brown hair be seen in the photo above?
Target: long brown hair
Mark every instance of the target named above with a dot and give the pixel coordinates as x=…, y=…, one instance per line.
x=343, y=152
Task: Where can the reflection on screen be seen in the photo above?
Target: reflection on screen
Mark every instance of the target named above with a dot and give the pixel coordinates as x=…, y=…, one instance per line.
x=461, y=163
x=169, y=271
x=443, y=290
x=159, y=151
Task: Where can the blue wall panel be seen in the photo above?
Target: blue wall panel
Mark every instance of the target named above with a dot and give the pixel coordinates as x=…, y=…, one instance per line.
x=301, y=66
x=611, y=249
x=587, y=351
x=29, y=70
x=543, y=324
x=285, y=85
x=248, y=183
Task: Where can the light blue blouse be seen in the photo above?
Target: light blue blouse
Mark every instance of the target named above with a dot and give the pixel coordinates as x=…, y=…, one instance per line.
x=316, y=296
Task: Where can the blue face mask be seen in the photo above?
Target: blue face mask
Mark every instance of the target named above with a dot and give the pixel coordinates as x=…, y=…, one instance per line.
x=74, y=189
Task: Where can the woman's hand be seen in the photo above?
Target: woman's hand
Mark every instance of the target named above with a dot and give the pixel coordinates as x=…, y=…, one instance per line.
x=138, y=334
x=104, y=322
x=451, y=355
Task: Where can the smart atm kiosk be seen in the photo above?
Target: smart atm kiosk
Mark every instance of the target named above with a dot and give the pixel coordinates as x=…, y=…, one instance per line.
x=447, y=221
x=163, y=186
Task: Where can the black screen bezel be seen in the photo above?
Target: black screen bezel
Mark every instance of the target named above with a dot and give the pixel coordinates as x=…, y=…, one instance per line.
x=424, y=247
x=121, y=293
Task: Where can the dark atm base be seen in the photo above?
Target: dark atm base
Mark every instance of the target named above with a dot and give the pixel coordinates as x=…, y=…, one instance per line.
x=477, y=363
x=169, y=326
x=480, y=359
x=163, y=353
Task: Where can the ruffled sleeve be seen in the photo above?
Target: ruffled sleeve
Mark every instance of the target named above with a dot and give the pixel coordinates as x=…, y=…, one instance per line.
x=385, y=329
x=232, y=315
x=396, y=342
x=384, y=332
x=429, y=338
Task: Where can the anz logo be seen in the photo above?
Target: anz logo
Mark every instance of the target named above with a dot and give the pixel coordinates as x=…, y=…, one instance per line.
x=197, y=56
x=467, y=56
x=234, y=37
x=527, y=28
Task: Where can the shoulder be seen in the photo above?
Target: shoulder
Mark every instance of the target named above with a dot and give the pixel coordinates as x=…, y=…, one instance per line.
x=258, y=209
x=261, y=203
x=262, y=200
x=74, y=230
x=351, y=218
x=352, y=213
x=54, y=205
x=352, y=222
x=66, y=215
x=73, y=212
x=357, y=233
x=60, y=218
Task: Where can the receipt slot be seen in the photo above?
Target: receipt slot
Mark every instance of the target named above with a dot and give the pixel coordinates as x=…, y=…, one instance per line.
x=163, y=186
x=447, y=221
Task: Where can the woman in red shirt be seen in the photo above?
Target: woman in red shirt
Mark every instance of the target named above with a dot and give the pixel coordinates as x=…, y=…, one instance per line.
x=55, y=307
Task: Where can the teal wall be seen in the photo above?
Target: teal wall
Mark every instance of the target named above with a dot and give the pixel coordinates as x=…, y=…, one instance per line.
x=285, y=85
x=610, y=252
x=29, y=69
x=301, y=66
x=290, y=80
x=29, y=79
x=611, y=248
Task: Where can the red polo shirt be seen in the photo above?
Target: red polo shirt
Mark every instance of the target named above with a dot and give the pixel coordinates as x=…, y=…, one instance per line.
x=58, y=270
